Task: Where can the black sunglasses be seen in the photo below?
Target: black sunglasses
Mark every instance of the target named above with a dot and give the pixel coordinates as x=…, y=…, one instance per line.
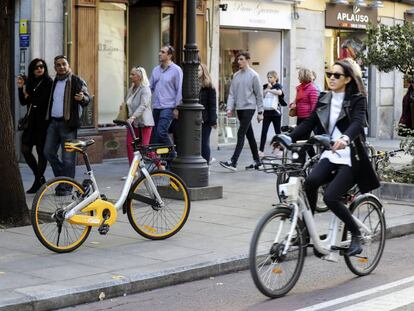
x=336, y=75
x=39, y=67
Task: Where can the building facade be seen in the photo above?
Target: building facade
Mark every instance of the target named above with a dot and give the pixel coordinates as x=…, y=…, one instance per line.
x=105, y=38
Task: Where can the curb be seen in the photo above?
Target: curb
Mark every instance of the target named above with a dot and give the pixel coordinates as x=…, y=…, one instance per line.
x=123, y=286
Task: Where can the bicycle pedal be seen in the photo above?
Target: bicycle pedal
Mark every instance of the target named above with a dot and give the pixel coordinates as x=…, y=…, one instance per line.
x=103, y=197
x=338, y=248
x=103, y=229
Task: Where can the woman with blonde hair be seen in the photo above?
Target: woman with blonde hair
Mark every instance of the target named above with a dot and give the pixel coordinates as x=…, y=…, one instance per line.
x=138, y=100
x=208, y=100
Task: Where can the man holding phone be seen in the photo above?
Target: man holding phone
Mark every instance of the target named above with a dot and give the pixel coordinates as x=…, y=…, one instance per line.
x=69, y=95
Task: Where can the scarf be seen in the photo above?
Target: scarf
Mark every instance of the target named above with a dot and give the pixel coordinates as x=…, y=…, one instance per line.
x=67, y=94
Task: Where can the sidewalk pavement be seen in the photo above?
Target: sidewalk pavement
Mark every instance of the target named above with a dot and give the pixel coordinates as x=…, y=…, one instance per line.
x=215, y=240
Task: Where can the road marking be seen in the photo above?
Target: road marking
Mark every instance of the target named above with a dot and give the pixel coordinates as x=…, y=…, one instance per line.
x=367, y=292
x=385, y=303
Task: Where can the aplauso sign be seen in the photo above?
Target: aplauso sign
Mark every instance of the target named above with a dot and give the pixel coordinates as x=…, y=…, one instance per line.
x=349, y=16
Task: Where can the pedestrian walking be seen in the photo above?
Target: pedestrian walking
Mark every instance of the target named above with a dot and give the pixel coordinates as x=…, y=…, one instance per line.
x=406, y=124
x=34, y=93
x=305, y=104
x=272, y=91
x=245, y=96
x=69, y=95
x=138, y=101
x=208, y=100
x=166, y=86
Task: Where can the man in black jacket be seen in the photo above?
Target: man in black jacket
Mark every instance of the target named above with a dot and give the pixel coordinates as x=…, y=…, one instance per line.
x=69, y=95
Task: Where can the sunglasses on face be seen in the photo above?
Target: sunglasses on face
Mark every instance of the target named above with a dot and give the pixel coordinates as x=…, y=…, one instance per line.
x=39, y=67
x=336, y=75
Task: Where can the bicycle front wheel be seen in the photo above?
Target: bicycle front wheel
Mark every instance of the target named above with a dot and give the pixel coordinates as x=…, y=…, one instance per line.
x=48, y=215
x=159, y=221
x=275, y=273
x=369, y=212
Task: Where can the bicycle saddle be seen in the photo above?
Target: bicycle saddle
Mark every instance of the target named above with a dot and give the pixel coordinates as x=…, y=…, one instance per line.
x=323, y=140
x=78, y=145
x=282, y=139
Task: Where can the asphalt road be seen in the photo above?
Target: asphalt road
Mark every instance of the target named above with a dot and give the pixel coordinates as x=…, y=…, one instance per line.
x=390, y=287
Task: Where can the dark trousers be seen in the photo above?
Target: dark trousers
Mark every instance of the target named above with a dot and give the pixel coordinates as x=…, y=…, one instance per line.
x=340, y=179
x=205, y=141
x=162, y=120
x=57, y=133
x=266, y=123
x=309, y=149
x=245, y=129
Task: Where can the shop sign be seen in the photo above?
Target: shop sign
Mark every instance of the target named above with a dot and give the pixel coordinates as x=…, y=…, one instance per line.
x=349, y=16
x=256, y=14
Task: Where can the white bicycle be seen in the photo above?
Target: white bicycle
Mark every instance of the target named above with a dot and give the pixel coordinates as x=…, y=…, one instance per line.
x=280, y=240
x=157, y=203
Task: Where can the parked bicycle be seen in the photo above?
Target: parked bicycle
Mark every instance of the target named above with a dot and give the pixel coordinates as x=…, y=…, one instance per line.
x=64, y=211
x=279, y=243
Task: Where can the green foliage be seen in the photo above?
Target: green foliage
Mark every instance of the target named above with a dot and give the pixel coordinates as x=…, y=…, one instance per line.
x=404, y=174
x=390, y=47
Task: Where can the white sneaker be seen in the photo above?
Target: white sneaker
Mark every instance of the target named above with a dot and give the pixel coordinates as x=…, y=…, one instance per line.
x=124, y=178
x=212, y=160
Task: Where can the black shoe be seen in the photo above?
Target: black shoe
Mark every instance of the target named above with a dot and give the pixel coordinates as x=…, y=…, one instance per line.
x=355, y=247
x=36, y=186
x=256, y=165
x=229, y=165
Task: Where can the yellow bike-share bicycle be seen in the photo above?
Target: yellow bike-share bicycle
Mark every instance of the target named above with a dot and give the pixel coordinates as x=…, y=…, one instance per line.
x=157, y=203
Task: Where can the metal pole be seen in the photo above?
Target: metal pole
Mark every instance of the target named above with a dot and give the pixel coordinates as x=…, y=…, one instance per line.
x=189, y=164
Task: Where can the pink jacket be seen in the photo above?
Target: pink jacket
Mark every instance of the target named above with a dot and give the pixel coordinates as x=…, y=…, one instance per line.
x=306, y=99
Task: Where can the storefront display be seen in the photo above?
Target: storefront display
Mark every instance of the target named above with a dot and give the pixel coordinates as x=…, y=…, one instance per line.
x=257, y=28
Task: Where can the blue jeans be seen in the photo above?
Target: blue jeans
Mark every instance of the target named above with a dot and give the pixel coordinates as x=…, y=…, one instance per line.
x=57, y=133
x=162, y=120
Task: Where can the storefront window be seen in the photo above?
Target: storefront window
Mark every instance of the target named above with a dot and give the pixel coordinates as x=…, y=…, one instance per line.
x=112, y=60
x=265, y=49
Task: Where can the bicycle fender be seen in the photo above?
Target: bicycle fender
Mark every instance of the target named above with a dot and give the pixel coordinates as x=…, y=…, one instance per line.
x=364, y=196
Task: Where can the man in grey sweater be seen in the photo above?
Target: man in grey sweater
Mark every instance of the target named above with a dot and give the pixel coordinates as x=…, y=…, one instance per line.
x=245, y=96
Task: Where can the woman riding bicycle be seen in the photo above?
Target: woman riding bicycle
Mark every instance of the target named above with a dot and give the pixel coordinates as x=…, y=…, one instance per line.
x=341, y=113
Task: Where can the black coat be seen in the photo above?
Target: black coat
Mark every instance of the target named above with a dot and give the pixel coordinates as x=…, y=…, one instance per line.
x=351, y=125
x=208, y=100
x=77, y=85
x=37, y=101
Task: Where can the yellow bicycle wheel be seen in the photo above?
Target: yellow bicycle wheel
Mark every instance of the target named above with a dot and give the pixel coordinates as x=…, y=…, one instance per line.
x=158, y=220
x=49, y=206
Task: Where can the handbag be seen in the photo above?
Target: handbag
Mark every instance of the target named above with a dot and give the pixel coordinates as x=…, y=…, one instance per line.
x=23, y=123
x=293, y=112
x=122, y=113
x=271, y=103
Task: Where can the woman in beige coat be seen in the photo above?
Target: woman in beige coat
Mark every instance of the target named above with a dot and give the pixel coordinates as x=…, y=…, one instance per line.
x=138, y=101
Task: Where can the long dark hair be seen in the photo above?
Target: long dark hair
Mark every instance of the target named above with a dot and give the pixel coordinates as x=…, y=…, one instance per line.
x=356, y=85
x=31, y=78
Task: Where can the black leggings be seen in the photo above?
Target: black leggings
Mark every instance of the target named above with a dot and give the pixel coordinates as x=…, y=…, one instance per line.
x=266, y=123
x=38, y=167
x=340, y=179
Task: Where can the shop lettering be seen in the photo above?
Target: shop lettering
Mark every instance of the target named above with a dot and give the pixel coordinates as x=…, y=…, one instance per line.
x=257, y=10
x=352, y=17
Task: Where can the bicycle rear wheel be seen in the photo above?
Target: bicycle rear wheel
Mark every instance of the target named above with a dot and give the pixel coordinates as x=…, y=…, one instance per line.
x=273, y=272
x=369, y=212
x=48, y=215
x=152, y=220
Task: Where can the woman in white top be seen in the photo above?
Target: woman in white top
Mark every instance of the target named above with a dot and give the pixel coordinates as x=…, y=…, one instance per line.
x=340, y=113
x=138, y=101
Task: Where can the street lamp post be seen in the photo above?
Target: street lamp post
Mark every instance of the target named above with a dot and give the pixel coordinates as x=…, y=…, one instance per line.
x=189, y=164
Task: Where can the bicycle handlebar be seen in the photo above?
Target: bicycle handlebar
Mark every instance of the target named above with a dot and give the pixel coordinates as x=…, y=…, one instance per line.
x=128, y=125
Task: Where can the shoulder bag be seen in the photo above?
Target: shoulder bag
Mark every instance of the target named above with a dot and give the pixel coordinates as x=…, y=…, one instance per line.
x=23, y=123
